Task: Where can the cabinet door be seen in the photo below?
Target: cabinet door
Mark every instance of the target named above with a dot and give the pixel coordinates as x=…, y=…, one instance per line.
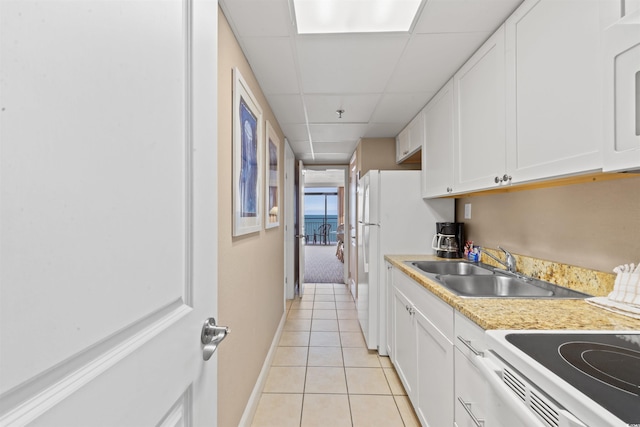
x=554, y=95
x=479, y=87
x=416, y=133
x=470, y=390
x=404, y=354
x=622, y=95
x=437, y=150
x=435, y=353
x=402, y=145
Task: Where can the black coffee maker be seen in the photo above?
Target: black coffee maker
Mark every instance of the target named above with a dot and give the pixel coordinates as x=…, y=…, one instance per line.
x=448, y=241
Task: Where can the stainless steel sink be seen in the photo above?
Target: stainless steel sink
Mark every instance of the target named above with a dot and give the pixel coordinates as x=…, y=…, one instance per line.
x=492, y=286
x=477, y=280
x=451, y=267
x=501, y=286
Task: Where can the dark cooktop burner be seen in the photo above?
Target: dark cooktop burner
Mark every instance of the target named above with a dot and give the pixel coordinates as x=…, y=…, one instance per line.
x=605, y=367
x=619, y=367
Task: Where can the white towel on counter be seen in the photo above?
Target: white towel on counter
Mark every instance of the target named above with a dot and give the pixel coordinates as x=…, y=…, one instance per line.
x=615, y=307
x=625, y=297
x=626, y=288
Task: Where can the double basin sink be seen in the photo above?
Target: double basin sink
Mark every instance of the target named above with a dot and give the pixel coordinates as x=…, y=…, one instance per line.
x=477, y=280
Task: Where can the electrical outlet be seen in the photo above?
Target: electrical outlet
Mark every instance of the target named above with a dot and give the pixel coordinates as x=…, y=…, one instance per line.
x=467, y=211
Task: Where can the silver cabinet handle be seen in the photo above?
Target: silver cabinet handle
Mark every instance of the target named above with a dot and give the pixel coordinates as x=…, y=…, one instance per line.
x=211, y=336
x=467, y=344
x=467, y=407
x=504, y=178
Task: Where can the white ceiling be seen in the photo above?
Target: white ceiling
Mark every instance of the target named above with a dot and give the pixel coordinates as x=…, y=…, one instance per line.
x=381, y=81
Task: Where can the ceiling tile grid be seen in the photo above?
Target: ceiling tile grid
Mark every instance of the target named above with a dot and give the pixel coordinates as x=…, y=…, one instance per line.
x=380, y=80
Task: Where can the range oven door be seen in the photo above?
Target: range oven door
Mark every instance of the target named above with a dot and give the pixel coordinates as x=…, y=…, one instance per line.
x=513, y=401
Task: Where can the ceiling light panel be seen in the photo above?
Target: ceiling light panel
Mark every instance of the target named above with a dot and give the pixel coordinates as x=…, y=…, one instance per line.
x=354, y=16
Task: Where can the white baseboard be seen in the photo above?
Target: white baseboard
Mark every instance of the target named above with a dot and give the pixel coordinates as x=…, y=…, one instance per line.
x=254, y=399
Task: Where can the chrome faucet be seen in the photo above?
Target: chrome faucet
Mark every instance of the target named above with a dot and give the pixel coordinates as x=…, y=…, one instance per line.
x=509, y=262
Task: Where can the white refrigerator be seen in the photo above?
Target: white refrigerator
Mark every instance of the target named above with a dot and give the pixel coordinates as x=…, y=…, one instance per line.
x=393, y=219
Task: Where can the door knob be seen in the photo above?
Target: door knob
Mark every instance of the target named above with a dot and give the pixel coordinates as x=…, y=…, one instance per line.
x=211, y=336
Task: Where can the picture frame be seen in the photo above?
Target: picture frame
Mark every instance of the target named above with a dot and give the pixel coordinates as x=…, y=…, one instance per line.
x=247, y=159
x=272, y=178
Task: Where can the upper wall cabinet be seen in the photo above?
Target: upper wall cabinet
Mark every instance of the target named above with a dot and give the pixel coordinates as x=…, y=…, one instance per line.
x=437, y=151
x=622, y=94
x=479, y=88
x=410, y=140
x=554, y=89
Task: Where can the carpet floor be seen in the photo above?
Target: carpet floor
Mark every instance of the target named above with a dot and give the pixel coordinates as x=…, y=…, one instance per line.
x=321, y=265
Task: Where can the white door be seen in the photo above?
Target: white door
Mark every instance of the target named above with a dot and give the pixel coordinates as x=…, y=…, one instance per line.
x=302, y=240
x=108, y=212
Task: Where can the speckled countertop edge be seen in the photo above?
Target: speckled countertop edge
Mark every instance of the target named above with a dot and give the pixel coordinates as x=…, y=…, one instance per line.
x=522, y=314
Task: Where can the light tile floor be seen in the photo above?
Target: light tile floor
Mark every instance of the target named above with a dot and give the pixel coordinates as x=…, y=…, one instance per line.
x=322, y=373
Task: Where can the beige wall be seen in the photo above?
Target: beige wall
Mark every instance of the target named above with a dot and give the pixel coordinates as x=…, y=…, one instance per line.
x=379, y=153
x=251, y=267
x=595, y=225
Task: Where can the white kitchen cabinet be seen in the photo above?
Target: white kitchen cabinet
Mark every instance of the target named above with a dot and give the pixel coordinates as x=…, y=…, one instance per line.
x=437, y=149
x=479, y=88
x=410, y=140
x=471, y=389
x=435, y=355
x=404, y=356
x=402, y=144
x=554, y=88
x=423, y=351
x=622, y=94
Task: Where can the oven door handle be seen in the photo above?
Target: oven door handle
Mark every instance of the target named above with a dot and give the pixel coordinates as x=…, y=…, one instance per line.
x=493, y=375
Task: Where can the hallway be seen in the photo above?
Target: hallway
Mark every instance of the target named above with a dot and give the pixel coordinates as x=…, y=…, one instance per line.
x=323, y=374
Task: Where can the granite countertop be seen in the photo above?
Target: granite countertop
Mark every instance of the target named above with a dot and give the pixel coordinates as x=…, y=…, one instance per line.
x=514, y=313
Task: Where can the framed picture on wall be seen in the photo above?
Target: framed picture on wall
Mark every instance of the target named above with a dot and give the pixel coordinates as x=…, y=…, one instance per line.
x=247, y=158
x=272, y=178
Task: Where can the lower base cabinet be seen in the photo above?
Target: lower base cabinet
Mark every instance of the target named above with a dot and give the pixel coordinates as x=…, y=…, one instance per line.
x=423, y=350
x=404, y=356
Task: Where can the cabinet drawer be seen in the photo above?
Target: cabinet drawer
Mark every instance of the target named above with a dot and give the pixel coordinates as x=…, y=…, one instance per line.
x=470, y=393
x=469, y=337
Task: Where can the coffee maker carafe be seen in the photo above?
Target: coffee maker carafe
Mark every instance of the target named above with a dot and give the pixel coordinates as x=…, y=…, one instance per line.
x=448, y=241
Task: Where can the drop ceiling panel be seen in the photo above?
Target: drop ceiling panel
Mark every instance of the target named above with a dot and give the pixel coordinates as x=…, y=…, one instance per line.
x=464, y=16
x=348, y=64
x=400, y=107
x=259, y=18
x=357, y=108
x=300, y=146
x=271, y=59
x=431, y=59
x=337, y=132
x=295, y=132
x=327, y=159
x=335, y=147
x=287, y=108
